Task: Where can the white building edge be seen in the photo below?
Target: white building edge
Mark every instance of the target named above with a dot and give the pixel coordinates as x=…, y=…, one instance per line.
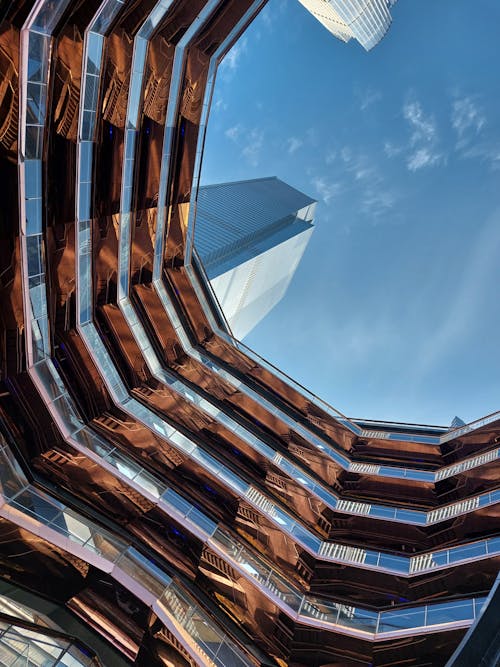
x=367, y=21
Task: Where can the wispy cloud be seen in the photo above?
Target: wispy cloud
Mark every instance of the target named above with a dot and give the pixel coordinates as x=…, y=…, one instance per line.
x=251, y=142
x=469, y=121
x=375, y=198
x=423, y=127
x=231, y=60
x=360, y=339
x=485, y=152
x=330, y=157
x=423, y=157
x=392, y=150
x=377, y=201
x=219, y=105
x=253, y=146
x=326, y=189
x=293, y=144
x=313, y=137
x=467, y=117
x=422, y=147
x=269, y=16
x=369, y=97
x=357, y=176
x=233, y=133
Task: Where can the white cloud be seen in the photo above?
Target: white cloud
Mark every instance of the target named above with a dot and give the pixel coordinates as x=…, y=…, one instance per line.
x=374, y=197
x=363, y=172
x=219, y=105
x=330, y=157
x=254, y=142
x=357, y=175
x=377, y=201
x=423, y=157
x=468, y=121
x=485, y=152
x=233, y=133
x=231, y=60
x=369, y=97
x=293, y=144
x=346, y=154
x=391, y=150
x=466, y=116
x=423, y=138
x=312, y=136
x=327, y=190
x=423, y=127
x=250, y=141
x=269, y=16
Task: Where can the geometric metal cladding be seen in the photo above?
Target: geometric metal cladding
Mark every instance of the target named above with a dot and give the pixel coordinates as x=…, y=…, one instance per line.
x=162, y=485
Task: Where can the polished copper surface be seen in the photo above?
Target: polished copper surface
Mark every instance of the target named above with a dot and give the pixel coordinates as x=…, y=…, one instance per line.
x=217, y=397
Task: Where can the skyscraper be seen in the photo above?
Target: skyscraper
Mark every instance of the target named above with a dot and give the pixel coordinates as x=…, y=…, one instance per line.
x=250, y=237
x=367, y=21
x=167, y=498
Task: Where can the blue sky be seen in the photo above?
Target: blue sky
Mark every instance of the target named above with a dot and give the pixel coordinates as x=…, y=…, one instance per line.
x=394, y=311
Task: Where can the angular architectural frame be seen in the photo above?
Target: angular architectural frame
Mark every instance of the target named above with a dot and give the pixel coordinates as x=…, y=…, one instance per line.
x=233, y=517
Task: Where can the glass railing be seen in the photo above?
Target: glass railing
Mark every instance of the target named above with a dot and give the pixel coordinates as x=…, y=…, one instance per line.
x=188, y=515
x=26, y=644
x=116, y=556
x=62, y=404
x=12, y=483
x=338, y=613
x=51, y=513
x=473, y=426
x=170, y=125
x=33, y=79
x=112, y=377
x=91, y=76
x=86, y=539
x=31, y=502
x=141, y=44
x=325, y=612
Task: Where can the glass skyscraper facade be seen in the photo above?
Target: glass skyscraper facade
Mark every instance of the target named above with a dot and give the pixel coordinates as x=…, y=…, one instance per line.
x=250, y=237
x=167, y=497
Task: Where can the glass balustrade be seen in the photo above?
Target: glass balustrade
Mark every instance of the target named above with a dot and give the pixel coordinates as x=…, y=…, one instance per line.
x=54, y=515
x=39, y=647
x=175, y=505
x=128, y=560
x=87, y=535
x=30, y=501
